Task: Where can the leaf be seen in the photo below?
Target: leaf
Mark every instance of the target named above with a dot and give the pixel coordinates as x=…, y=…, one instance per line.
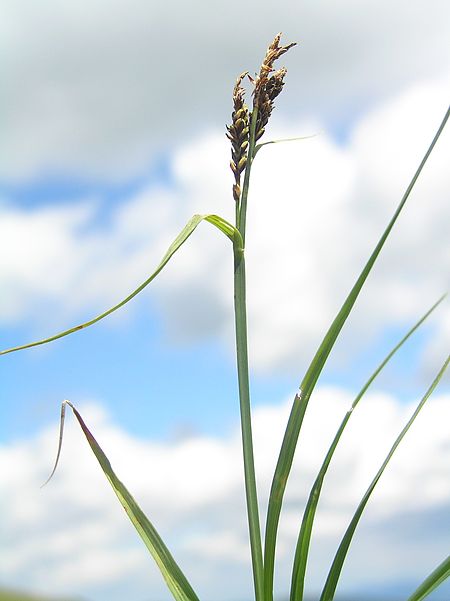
x=229, y=230
x=174, y=577
x=437, y=577
x=308, y=384
x=338, y=562
x=282, y=140
x=304, y=537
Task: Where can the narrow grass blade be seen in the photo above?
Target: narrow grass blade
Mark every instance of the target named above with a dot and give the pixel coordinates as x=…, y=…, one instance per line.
x=341, y=554
x=437, y=577
x=62, y=420
x=174, y=577
x=280, y=141
x=229, y=230
x=308, y=384
x=304, y=537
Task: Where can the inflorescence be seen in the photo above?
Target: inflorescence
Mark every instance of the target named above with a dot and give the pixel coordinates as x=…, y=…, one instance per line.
x=267, y=86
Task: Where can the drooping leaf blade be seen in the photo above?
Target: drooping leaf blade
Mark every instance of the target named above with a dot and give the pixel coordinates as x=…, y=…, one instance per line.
x=171, y=572
x=341, y=554
x=436, y=578
x=224, y=226
x=304, y=537
x=301, y=400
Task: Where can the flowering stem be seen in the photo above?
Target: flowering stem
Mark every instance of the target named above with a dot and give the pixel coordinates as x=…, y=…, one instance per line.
x=240, y=311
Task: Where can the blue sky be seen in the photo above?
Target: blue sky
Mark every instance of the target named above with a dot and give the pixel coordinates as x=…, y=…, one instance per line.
x=113, y=137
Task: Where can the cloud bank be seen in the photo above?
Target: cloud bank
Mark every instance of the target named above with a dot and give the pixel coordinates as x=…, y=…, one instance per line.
x=72, y=538
x=316, y=210
x=95, y=92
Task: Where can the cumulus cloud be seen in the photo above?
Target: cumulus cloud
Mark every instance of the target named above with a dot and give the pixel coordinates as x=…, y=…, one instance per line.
x=72, y=538
x=316, y=210
x=60, y=252
x=96, y=91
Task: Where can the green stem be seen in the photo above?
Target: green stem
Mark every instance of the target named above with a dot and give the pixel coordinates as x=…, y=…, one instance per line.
x=246, y=425
x=240, y=311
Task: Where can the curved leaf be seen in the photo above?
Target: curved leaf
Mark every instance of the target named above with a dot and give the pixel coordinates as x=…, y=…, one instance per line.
x=309, y=382
x=437, y=577
x=304, y=537
x=174, y=577
x=338, y=562
x=229, y=230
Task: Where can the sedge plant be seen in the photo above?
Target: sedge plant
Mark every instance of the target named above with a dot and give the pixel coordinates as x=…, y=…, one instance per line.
x=245, y=131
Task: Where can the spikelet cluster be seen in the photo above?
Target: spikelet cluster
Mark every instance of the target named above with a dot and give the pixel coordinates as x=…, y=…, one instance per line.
x=267, y=86
x=238, y=134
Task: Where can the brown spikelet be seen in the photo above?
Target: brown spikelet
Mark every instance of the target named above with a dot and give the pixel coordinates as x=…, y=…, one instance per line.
x=268, y=84
x=238, y=134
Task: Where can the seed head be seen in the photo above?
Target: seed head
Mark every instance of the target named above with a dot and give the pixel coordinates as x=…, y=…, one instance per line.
x=268, y=84
x=238, y=134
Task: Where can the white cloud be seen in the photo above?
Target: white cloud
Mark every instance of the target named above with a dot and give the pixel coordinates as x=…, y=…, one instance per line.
x=316, y=209
x=32, y=245
x=72, y=537
x=94, y=90
x=58, y=252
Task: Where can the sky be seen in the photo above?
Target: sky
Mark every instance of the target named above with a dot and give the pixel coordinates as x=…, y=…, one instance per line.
x=113, y=135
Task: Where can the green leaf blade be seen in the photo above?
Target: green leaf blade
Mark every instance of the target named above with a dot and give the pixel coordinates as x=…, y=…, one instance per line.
x=221, y=224
x=436, y=578
x=309, y=382
x=334, y=574
x=304, y=537
x=171, y=572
